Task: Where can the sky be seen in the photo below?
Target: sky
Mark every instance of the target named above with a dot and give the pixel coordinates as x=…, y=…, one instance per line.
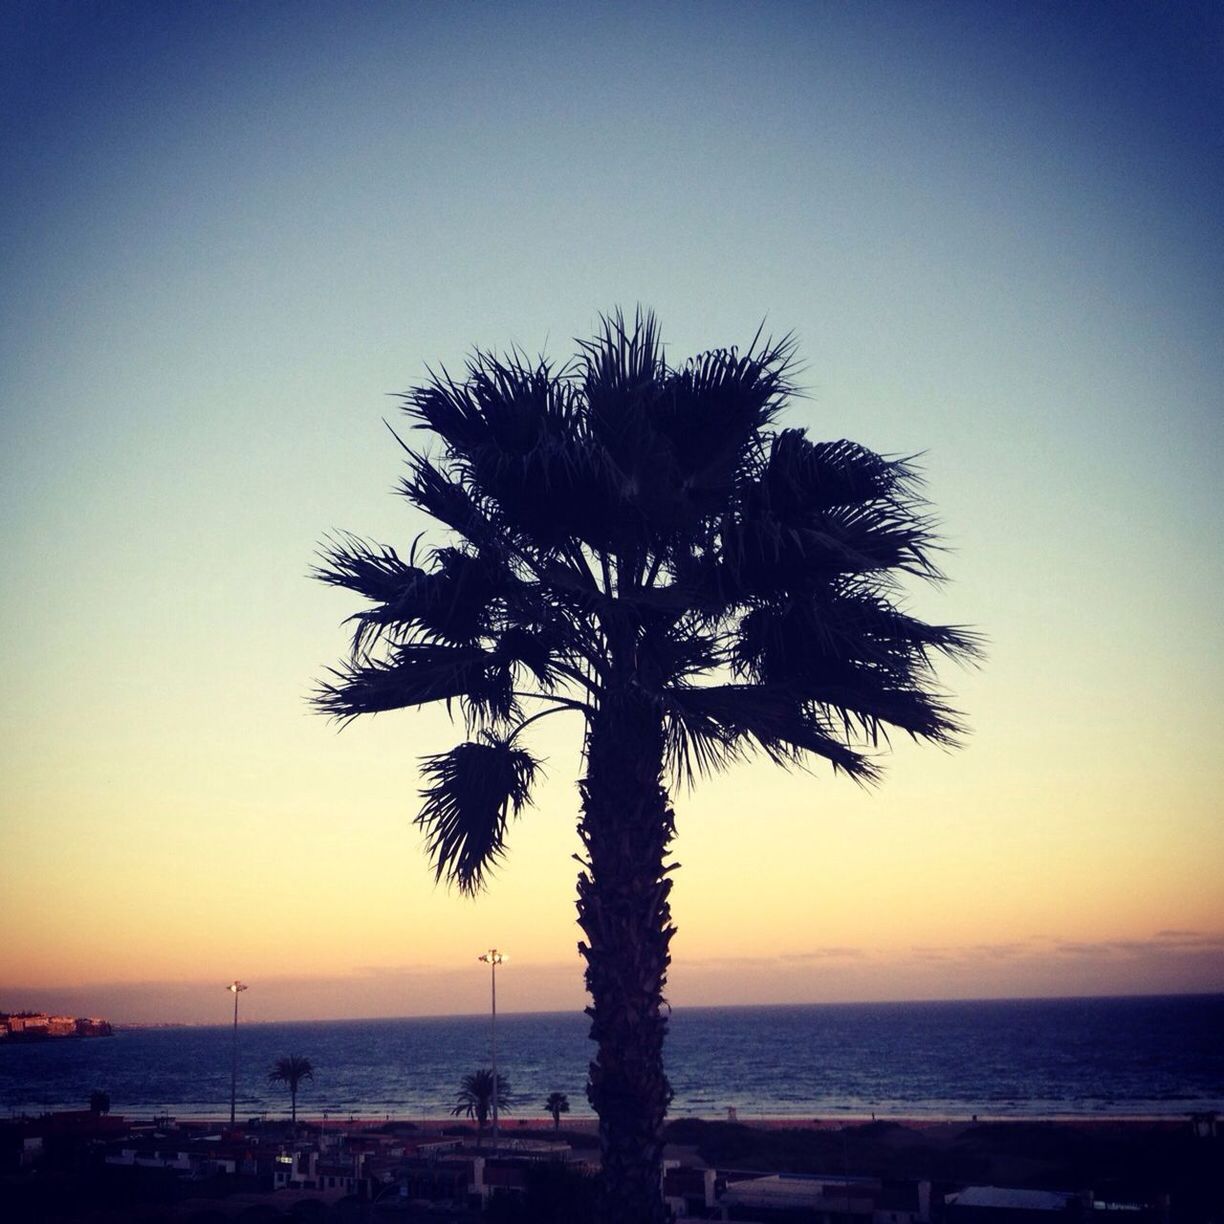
x=231, y=232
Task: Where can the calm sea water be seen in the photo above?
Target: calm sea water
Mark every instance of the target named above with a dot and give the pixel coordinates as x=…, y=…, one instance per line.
x=1097, y=1057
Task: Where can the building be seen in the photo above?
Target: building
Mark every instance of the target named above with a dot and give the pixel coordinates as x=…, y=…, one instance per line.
x=824, y=1199
x=1007, y=1205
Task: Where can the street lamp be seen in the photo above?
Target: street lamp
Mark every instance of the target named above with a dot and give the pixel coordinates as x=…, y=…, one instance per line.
x=235, y=988
x=493, y=958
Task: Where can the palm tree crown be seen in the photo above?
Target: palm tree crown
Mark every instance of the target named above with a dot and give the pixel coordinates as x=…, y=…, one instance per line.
x=641, y=544
x=475, y=1098
x=557, y=1104
x=291, y=1071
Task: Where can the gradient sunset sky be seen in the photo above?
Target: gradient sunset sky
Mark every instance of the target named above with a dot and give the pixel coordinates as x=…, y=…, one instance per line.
x=231, y=230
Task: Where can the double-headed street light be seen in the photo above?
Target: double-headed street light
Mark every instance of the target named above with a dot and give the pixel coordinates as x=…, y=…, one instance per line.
x=493, y=958
x=235, y=988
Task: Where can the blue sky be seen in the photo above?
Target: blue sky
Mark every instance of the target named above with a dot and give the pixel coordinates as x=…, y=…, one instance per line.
x=231, y=230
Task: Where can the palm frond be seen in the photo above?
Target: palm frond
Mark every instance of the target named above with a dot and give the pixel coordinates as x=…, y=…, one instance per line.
x=816, y=512
x=374, y=571
x=507, y=405
x=870, y=712
x=864, y=663
x=472, y=791
x=620, y=372
x=672, y=649
x=803, y=477
x=860, y=621
x=521, y=403
x=503, y=411
x=455, y=602
x=448, y=500
x=562, y=490
x=835, y=636
x=714, y=410
x=621, y=376
x=291, y=1070
x=710, y=727
x=696, y=745
x=475, y=1096
x=416, y=673
x=763, y=556
x=533, y=648
x=459, y=600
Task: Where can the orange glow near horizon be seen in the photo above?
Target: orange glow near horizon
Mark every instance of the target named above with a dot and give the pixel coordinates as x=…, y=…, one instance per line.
x=823, y=893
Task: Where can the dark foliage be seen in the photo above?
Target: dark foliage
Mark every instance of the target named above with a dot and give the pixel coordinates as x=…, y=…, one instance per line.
x=557, y=1104
x=292, y=1071
x=621, y=510
x=475, y=1096
x=638, y=543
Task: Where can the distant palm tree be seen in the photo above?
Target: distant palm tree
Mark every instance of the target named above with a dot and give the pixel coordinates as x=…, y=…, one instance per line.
x=475, y=1099
x=642, y=545
x=557, y=1104
x=291, y=1072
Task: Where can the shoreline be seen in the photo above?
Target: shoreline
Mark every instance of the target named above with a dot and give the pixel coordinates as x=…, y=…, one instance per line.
x=512, y=1124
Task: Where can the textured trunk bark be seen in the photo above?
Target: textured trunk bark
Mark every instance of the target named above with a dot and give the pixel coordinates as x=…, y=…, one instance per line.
x=623, y=910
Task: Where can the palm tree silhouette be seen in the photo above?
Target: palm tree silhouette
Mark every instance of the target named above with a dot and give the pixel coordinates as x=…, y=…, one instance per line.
x=475, y=1099
x=557, y=1104
x=291, y=1072
x=639, y=544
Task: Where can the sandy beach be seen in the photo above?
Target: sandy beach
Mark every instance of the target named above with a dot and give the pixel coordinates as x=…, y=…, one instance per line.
x=950, y=1125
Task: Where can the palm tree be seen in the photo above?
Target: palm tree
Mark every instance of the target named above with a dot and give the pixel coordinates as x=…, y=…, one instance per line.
x=475, y=1098
x=557, y=1104
x=291, y=1071
x=641, y=545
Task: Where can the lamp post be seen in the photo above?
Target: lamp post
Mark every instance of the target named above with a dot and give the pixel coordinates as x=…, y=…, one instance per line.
x=493, y=958
x=235, y=988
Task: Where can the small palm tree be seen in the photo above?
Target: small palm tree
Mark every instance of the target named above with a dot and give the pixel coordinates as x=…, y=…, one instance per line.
x=291, y=1072
x=475, y=1099
x=557, y=1104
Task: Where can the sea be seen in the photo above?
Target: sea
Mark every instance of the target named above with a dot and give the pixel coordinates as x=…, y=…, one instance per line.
x=1098, y=1057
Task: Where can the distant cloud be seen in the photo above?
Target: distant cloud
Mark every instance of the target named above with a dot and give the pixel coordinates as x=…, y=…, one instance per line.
x=1001, y=951
x=783, y=958
x=731, y=962
x=1189, y=939
x=1167, y=962
x=826, y=954
x=1029, y=953
x=1161, y=944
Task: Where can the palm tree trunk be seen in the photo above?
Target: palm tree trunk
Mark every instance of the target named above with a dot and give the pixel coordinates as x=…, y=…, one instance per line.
x=293, y=1107
x=623, y=910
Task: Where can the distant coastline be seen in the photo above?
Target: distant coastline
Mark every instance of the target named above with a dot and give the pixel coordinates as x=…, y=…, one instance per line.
x=23, y=1026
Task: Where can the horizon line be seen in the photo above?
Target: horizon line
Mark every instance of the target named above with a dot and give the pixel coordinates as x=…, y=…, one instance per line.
x=685, y=1007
